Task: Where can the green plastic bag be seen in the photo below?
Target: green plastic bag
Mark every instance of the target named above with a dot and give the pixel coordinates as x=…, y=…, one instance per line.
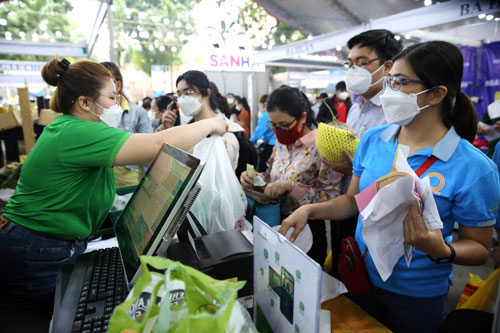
x=198, y=303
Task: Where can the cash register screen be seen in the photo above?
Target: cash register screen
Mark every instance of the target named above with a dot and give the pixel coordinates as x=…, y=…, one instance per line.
x=152, y=209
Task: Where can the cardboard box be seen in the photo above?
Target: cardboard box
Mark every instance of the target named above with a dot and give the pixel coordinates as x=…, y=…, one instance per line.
x=12, y=119
x=47, y=116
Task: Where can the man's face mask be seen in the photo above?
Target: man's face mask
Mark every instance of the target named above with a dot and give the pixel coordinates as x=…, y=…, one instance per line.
x=359, y=80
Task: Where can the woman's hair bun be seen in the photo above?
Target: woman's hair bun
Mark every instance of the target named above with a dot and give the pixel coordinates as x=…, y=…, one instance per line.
x=49, y=72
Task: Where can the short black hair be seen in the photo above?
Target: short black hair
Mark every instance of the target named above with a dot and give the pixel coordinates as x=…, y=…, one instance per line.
x=162, y=102
x=323, y=95
x=147, y=99
x=341, y=86
x=381, y=40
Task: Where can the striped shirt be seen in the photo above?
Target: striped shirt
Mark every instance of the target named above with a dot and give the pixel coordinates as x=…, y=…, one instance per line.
x=364, y=115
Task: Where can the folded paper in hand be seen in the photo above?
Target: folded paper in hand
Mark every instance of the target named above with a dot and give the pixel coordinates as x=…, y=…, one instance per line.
x=383, y=207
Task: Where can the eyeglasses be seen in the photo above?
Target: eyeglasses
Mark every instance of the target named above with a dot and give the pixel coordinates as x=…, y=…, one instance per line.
x=348, y=64
x=116, y=97
x=396, y=82
x=187, y=92
x=280, y=127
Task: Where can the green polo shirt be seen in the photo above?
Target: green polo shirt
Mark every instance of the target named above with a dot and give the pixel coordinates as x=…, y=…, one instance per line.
x=67, y=184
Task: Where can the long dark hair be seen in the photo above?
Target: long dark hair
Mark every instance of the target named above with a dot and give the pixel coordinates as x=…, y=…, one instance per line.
x=200, y=81
x=243, y=101
x=221, y=100
x=440, y=63
x=291, y=101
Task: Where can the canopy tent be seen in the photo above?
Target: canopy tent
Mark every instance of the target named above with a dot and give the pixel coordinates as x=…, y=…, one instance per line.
x=76, y=50
x=336, y=22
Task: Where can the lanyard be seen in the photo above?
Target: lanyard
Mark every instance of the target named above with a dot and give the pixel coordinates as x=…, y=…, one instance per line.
x=426, y=165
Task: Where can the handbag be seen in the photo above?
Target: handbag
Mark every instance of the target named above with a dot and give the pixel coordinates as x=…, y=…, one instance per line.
x=260, y=205
x=351, y=265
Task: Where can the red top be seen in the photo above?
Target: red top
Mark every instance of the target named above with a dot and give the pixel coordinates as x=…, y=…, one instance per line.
x=341, y=109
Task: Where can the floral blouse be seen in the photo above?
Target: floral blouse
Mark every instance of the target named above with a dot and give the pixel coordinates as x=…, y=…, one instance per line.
x=314, y=180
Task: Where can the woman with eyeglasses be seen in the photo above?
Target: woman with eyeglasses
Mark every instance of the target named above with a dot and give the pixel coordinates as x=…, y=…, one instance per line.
x=196, y=100
x=435, y=121
x=66, y=187
x=295, y=169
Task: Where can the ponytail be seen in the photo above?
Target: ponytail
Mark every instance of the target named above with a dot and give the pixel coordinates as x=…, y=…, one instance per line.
x=464, y=117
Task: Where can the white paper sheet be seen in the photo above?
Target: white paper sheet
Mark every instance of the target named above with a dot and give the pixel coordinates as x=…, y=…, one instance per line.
x=383, y=217
x=101, y=244
x=383, y=228
x=303, y=241
x=331, y=287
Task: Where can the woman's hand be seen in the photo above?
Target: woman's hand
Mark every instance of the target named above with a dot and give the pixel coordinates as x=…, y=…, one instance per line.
x=276, y=189
x=219, y=126
x=481, y=128
x=245, y=180
x=298, y=220
x=344, y=166
x=416, y=234
x=169, y=117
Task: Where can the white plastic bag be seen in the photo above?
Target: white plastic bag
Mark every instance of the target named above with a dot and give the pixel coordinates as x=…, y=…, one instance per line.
x=222, y=203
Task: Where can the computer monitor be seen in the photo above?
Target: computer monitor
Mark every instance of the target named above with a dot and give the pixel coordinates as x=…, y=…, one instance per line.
x=157, y=207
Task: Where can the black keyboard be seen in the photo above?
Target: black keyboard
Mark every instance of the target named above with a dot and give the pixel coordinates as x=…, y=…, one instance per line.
x=96, y=286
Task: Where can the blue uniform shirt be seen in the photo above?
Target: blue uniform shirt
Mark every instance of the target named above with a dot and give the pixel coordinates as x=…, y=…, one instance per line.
x=496, y=159
x=465, y=185
x=263, y=132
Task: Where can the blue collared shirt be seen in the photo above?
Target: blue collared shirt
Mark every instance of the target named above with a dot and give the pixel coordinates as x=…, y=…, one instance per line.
x=263, y=132
x=364, y=115
x=465, y=186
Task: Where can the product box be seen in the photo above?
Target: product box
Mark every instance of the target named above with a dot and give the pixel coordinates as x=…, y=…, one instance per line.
x=12, y=119
x=47, y=116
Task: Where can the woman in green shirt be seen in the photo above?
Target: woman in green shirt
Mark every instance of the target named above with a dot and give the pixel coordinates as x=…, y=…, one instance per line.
x=67, y=186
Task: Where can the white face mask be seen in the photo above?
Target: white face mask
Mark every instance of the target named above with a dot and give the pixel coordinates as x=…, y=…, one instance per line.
x=230, y=100
x=189, y=105
x=238, y=107
x=151, y=115
x=343, y=95
x=358, y=79
x=400, y=108
x=110, y=116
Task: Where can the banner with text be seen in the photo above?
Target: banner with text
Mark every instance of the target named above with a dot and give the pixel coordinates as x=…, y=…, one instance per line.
x=488, y=88
x=470, y=70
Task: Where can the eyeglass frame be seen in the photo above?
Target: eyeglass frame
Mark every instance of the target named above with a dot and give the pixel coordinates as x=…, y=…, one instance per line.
x=387, y=81
x=347, y=64
x=189, y=91
x=281, y=128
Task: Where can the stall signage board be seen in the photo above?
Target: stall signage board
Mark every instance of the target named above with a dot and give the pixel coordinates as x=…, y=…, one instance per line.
x=287, y=284
x=241, y=61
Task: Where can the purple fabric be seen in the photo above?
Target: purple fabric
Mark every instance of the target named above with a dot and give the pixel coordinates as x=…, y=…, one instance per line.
x=489, y=77
x=470, y=70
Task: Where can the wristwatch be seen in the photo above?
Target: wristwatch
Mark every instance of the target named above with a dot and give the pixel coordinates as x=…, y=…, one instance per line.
x=447, y=260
